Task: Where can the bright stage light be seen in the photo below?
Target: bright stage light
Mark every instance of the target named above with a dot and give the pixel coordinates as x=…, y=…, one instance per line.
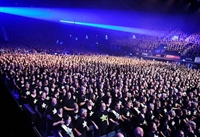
x=49, y=14
x=75, y=16
x=37, y=13
x=113, y=27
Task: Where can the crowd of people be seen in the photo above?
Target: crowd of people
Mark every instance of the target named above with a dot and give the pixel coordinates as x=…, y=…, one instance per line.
x=174, y=41
x=96, y=95
x=171, y=40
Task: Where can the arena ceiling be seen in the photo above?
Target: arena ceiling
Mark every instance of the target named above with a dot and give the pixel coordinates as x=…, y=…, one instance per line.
x=166, y=6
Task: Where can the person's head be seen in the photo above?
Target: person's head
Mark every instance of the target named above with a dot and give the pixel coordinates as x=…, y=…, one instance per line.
x=22, y=78
x=83, y=112
x=110, y=100
x=56, y=93
x=83, y=90
x=76, y=107
x=40, y=83
x=172, y=113
x=152, y=126
x=136, y=104
x=103, y=106
x=64, y=91
x=129, y=104
x=68, y=119
x=117, y=106
x=102, y=94
x=180, y=133
x=60, y=110
x=46, y=89
x=108, y=94
x=27, y=84
x=119, y=135
x=43, y=96
x=90, y=90
x=185, y=112
x=93, y=97
x=67, y=87
x=192, y=124
x=157, y=122
x=138, y=132
x=151, y=106
x=119, y=94
x=46, y=82
x=158, y=104
x=89, y=102
x=53, y=101
x=143, y=110
x=76, y=84
x=34, y=91
x=69, y=95
x=33, y=78
x=144, y=99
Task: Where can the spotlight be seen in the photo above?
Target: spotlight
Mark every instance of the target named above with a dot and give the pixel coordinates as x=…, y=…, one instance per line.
x=106, y=37
x=57, y=42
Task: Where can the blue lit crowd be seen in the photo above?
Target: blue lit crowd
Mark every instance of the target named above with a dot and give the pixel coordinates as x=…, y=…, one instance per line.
x=96, y=95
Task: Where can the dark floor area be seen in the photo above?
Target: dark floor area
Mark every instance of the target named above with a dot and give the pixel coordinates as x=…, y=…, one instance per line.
x=13, y=122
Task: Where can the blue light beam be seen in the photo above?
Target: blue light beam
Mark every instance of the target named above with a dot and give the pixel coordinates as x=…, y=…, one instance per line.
x=113, y=27
x=49, y=14
x=37, y=13
x=75, y=16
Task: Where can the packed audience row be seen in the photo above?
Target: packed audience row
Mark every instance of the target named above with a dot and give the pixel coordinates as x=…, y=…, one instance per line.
x=79, y=95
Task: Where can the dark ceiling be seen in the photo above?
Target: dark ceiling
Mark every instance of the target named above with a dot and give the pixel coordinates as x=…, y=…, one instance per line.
x=166, y=6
